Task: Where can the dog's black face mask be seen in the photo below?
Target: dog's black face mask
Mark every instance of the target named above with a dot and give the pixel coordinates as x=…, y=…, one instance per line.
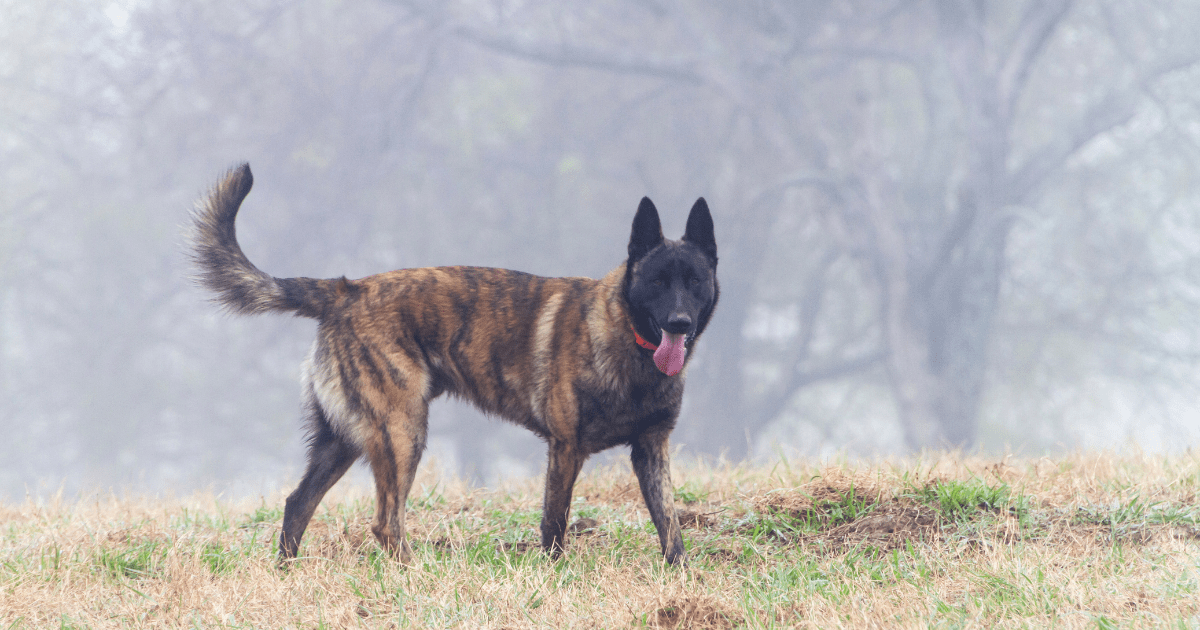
x=671, y=286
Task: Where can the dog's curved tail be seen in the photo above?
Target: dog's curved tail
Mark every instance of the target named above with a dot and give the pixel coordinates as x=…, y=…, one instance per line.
x=223, y=269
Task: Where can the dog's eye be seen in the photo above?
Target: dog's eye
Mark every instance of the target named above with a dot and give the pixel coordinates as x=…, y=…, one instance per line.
x=657, y=282
x=693, y=281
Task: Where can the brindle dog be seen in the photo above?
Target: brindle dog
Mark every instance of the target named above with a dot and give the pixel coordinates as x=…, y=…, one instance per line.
x=585, y=364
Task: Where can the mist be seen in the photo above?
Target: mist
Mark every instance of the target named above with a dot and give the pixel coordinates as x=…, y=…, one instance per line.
x=941, y=224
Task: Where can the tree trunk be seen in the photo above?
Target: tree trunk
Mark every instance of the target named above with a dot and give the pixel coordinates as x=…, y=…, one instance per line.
x=937, y=314
x=940, y=304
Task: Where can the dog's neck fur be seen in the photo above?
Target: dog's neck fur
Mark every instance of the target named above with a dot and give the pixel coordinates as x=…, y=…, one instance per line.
x=614, y=353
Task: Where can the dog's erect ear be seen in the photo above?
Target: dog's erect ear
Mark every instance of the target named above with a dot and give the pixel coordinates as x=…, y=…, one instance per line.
x=647, y=231
x=699, y=230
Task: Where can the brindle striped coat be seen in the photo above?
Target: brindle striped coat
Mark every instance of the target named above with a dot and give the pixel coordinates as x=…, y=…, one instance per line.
x=555, y=355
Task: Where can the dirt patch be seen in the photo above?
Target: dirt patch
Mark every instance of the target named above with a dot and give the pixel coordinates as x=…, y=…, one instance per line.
x=825, y=500
x=847, y=512
x=523, y=546
x=724, y=555
x=888, y=526
x=584, y=526
x=693, y=612
x=138, y=536
x=1186, y=532
x=120, y=536
x=691, y=519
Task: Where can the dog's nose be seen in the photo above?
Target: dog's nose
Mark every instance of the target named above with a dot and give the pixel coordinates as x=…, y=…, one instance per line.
x=678, y=323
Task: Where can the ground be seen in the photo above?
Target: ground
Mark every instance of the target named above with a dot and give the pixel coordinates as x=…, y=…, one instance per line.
x=1091, y=540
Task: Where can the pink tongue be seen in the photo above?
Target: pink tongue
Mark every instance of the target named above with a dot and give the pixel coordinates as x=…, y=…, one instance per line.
x=669, y=356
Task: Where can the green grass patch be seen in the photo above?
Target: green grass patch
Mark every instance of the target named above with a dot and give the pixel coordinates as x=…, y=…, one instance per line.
x=219, y=559
x=970, y=499
x=137, y=561
x=691, y=493
x=792, y=515
x=265, y=514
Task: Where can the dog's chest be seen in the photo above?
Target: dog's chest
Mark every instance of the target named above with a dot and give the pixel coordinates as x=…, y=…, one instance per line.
x=608, y=417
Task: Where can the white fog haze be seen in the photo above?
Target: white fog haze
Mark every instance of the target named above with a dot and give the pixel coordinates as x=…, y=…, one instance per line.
x=941, y=224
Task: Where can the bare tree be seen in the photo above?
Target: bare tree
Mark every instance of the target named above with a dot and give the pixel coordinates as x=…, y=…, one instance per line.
x=927, y=210
x=943, y=206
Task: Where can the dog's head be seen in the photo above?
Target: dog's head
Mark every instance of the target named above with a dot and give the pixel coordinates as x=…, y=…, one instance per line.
x=671, y=286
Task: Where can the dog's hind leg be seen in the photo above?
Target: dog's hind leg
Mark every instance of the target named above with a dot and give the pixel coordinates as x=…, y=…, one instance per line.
x=651, y=463
x=329, y=457
x=395, y=452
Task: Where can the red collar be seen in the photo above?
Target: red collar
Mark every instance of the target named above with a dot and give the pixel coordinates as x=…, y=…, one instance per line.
x=641, y=341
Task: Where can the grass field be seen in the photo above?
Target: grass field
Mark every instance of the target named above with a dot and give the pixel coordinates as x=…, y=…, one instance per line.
x=1085, y=541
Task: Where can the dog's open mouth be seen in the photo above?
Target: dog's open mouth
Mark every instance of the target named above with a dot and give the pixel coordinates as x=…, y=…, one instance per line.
x=671, y=351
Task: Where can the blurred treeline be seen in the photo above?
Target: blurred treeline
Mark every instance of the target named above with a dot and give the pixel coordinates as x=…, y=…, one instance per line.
x=941, y=222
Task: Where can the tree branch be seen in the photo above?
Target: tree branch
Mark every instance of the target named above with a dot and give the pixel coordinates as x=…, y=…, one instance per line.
x=775, y=405
x=1038, y=24
x=564, y=54
x=1114, y=110
x=816, y=179
x=878, y=53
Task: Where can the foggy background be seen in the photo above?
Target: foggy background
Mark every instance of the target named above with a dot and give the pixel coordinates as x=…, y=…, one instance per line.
x=940, y=223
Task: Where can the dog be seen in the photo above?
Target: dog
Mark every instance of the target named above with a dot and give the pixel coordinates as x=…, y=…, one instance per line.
x=585, y=364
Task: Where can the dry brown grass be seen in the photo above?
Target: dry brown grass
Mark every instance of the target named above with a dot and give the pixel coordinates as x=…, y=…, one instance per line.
x=1092, y=540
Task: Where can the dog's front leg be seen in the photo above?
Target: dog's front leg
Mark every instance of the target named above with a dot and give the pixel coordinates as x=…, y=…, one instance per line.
x=652, y=465
x=561, y=471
